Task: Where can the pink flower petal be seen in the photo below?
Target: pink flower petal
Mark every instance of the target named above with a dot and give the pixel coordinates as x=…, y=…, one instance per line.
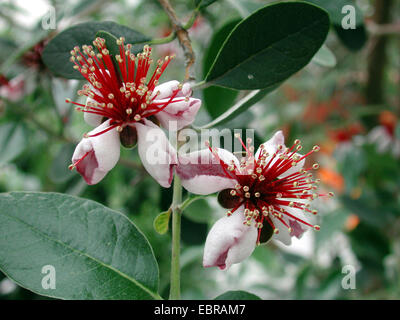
x=165, y=90
x=182, y=112
x=201, y=173
x=95, y=156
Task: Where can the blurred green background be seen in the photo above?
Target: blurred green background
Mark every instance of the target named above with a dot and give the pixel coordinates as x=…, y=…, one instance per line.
x=351, y=109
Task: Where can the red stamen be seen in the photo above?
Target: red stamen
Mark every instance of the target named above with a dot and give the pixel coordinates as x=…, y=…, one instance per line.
x=119, y=91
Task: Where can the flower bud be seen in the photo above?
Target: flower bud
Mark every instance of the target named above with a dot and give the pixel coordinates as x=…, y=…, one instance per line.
x=128, y=137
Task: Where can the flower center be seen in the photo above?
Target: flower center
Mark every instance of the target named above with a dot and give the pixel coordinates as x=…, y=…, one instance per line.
x=117, y=85
x=268, y=186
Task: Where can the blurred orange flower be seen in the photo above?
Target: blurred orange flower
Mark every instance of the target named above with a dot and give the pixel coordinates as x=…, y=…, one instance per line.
x=352, y=222
x=389, y=120
x=332, y=179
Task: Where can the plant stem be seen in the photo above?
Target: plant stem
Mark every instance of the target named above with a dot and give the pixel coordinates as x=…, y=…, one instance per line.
x=189, y=201
x=183, y=38
x=175, y=285
x=200, y=85
x=181, y=33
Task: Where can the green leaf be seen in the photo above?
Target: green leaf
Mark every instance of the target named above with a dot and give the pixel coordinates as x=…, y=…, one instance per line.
x=217, y=99
x=9, y=63
x=332, y=223
x=397, y=131
x=111, y=42
x=269, y=46
x=97, y=253
x=57, y=52
x=199, y=211
x=7, y=48
x=160, y=223
x=237, y=295
x=201, y=4
x=366, y=209
x=370, y=245
x=246, y=7
x=334, y=9
x=324, y=57
x=13, y=141
x=241, y=106
x=353, y=39
x=193, y=233
x=59, y=171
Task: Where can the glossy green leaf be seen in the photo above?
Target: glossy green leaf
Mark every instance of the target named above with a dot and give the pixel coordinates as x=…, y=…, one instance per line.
x=97, y=253
x=161, y=222
x=353, y=39
x=246, y=7
x=57, y=52
x=111, y=44
x=269, y=46
x=203, y=3
x=217, y=99
x=13, y=141
x=334, y=9
x=237, y=295
x=325, y=57
x=240, y=106
x=111, y=41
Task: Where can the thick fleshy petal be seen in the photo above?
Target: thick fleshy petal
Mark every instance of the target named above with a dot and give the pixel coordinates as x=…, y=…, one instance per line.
x=182, y=109
x=157, y=154
x=165, y=89
x=95, y=156
x=297, y=228
x=271, y=145
x=92, y=119
x=202, y=173
x=182, y=112
x=283, y=235
x=229, y=241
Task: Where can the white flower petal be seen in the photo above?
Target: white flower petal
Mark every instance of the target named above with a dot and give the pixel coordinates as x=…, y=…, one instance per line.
x=92, y=119
x=182, y=112
x=294, y=169
x=229, y=241
x=157, y=154
x=271, y=145
x=102, y=154
x=165, y=89
x=283, y=235
x=201, y=172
